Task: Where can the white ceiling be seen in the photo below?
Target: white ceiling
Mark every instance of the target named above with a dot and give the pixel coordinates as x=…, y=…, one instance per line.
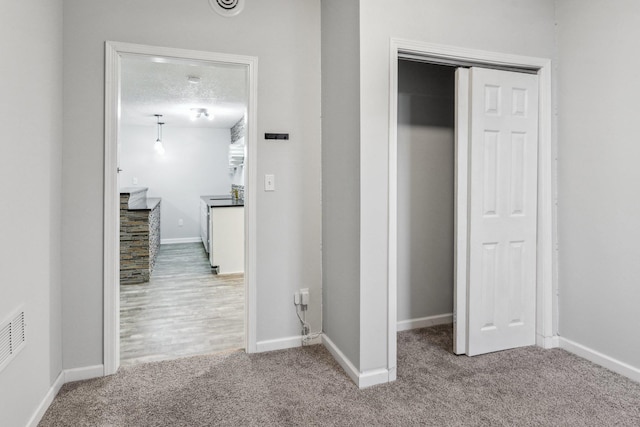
x=152, y=85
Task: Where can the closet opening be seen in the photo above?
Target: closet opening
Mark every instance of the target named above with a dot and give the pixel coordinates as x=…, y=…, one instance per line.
x=426, y=194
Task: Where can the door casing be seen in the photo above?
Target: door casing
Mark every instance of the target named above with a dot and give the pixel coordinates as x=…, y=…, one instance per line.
x=111, y=274
x=456, y=56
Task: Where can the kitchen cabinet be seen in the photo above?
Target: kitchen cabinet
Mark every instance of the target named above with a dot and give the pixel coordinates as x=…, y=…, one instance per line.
x=226, y=240
x=222, y=232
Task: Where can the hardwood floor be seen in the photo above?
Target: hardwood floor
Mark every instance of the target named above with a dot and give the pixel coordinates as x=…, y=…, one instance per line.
x=183, y=310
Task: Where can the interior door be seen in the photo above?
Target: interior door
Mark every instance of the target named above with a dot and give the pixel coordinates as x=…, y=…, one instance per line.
x=502, y=196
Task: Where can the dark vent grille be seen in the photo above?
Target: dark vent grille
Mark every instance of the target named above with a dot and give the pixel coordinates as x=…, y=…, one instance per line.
x=228, y=4
x=227, y=8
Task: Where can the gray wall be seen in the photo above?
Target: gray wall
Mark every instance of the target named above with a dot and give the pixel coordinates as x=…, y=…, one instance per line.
x=341, y=175
x=195, y=163
x=598, y=176
x=425, y=189
x=30, y=161
x=288, y=220
x=521, y=27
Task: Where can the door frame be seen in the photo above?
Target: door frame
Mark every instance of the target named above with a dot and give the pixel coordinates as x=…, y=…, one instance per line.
x=545, y=261
x=111, y=272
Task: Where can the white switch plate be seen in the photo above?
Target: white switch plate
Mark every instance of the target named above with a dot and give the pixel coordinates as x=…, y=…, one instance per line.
x=269, y=182
x=135, y=180
x=180, y=222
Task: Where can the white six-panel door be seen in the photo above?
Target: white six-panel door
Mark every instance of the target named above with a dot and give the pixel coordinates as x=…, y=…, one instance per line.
x=501, y=259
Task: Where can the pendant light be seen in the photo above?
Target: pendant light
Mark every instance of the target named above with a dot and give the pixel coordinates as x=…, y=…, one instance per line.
x=158, y=146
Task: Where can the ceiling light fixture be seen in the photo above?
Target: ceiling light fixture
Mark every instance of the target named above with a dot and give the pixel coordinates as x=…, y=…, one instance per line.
x=158, y=146
x=196, y=113
x=193, y=79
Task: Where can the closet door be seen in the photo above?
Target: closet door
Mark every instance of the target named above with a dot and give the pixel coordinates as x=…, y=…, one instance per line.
x=502, y=196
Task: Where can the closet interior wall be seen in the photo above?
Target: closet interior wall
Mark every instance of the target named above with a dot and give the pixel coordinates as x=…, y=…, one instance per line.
x=426, y=167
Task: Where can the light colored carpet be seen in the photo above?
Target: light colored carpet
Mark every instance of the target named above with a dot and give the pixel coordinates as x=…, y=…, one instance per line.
x=524, y=387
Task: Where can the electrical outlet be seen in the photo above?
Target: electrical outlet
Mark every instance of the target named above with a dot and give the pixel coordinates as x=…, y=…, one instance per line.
x=180, y=222
x=304, y=296
x=296, y=298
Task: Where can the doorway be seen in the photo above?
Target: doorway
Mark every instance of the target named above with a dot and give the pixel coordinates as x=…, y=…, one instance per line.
x=182, y=151
x=196, y=66
x=457, y=57
x=426, y=171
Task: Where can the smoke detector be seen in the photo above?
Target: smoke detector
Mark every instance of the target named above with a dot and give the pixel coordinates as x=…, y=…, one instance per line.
x=227, y=7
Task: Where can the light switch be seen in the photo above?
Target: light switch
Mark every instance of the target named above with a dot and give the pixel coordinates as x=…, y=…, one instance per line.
x=269, y=182
x=135, y=180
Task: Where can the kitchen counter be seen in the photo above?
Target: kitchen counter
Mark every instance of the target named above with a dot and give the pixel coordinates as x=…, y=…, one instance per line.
x=138, y=200
x=224, y=201
x=139, y=234
x=144, y=205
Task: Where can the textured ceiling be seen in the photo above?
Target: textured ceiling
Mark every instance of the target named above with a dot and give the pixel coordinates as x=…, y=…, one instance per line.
x=152, y=85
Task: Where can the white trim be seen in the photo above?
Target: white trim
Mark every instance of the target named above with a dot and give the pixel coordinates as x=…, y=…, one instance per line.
x=601, y=359
x=113, y=54
x=348, y=367
x=545, y=237
x=85, y=373
x=461, y=209
x=251, y=211
x=425, y=322
x=373, y=377
x=179, y=240
x=547, y=342
x=362, y=379
x=46, y=401
x=392, y=232
x=111, y=269
x=66, y=376
x=284, y=343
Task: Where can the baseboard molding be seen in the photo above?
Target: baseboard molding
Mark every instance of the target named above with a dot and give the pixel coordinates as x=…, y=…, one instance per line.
x=601, y=359
x=284, y=343
x=362, y=379
x=180, y=240
x=342, y=360
x=424, y=322
x=548, y=342
x=86, y=373
x=46, y=402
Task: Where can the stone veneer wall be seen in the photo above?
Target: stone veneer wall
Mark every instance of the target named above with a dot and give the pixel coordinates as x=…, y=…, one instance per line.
x=238, y=130
x=139, y=242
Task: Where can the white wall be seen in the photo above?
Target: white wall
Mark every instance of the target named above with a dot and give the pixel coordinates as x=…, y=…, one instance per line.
x=520, y=27
x=195, y=163
x=340, y=176
x=30, y=161
x=598, y=176
x=425, y=189
x=288, y=220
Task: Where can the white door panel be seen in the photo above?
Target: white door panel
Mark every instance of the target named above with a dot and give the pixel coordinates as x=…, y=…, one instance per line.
x=502, y=210
x=461, y=204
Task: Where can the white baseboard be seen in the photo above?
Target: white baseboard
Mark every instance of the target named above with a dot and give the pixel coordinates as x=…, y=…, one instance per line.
x=547, y=342
x=596, y=357
x=424, y=322
x=86, y=373
x=284, y=343
x=46, y=402
x=362, y=379
x=180, y=240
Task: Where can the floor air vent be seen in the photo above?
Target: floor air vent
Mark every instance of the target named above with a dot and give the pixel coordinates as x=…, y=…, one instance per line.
x=227, y=7
x=12, y=338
